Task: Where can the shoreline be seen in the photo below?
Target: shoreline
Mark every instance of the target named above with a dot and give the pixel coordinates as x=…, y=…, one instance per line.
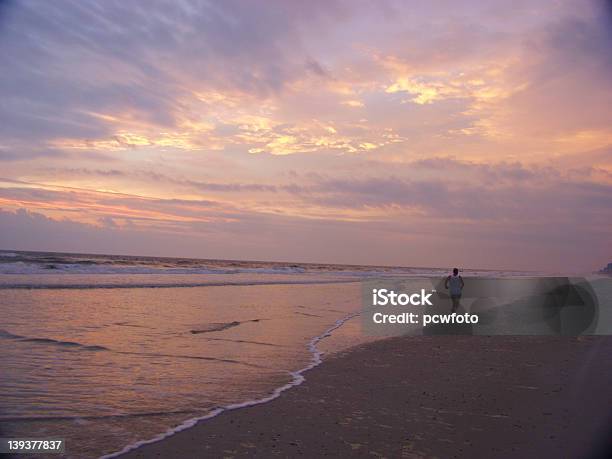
x=451, y=396
x=298, y=379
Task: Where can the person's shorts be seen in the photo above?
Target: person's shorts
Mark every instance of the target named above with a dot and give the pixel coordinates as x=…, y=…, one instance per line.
x=456, y=297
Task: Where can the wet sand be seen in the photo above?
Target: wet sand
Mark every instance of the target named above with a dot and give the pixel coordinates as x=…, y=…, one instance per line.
x=452, y=396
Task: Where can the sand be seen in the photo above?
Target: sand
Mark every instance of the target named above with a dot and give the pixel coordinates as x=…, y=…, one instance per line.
x=452, y=396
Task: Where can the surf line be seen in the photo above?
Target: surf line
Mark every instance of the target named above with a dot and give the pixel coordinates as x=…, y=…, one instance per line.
x=298, y=378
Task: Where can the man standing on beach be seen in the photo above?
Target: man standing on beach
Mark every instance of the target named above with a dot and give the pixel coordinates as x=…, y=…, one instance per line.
x=455, y=282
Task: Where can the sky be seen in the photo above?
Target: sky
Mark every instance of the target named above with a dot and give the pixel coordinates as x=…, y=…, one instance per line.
x=412, y=133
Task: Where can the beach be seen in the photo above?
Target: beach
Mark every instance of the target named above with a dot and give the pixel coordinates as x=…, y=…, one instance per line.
x=426, y=397
x=185, y=357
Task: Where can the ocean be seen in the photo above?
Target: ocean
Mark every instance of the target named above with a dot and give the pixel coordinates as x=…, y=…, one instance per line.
x=111, y=351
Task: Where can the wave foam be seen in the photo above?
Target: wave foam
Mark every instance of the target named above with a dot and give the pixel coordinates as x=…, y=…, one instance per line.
x=298, y=378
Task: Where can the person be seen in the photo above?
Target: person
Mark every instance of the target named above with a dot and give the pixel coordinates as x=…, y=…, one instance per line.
x=455, y=282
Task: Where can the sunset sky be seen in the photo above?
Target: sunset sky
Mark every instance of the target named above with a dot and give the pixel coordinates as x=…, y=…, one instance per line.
x=443, y=133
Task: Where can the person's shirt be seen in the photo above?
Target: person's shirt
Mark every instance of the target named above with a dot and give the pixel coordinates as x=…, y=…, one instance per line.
x=454, y=283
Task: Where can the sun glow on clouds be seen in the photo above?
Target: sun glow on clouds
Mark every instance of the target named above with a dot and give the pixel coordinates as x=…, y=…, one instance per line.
x=258, y=130
x=304, y=117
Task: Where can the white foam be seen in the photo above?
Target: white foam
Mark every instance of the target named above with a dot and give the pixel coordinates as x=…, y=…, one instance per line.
x=25, y=268
x=298, y=378
x=209, y=283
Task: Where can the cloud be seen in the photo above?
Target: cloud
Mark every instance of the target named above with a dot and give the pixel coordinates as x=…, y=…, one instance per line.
x=204, y=76
x=442, y=188
x=275, y=237
x=299, y=120
x=93, y=58
x=28, y=154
